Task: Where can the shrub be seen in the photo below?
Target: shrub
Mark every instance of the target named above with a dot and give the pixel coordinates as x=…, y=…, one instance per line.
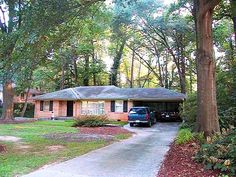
x=188, y=111
x=28, y=113
x=90, y=121
x=184, y=136
x=219, y=153
x=227, y=117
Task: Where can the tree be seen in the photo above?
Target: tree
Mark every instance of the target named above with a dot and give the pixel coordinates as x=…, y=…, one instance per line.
x=207, y=113
x=29, y=23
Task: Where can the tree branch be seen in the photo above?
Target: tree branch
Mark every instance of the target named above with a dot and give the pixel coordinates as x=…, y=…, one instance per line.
x=209, y=5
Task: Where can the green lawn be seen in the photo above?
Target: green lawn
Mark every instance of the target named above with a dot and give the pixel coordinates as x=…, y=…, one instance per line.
x=32, y=151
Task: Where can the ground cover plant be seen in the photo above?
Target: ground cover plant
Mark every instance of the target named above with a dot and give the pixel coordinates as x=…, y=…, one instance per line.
x=219, y=152
x=34, y=150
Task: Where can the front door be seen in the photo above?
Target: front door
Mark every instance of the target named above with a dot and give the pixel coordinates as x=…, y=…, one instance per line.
x=70, y=108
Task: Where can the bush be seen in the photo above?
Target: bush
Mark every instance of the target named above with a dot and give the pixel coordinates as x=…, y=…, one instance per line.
x=184, y=136
x=28, y=113
x=219, y=153
x=227, y=118
x=90, y=121
x=188, y=112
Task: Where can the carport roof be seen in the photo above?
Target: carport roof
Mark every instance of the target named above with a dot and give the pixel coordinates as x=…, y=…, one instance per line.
x=112, y=93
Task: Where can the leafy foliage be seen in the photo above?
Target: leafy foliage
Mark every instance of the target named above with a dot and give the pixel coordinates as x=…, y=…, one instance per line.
x=28, y=113
x=220, y=152
x=189, y=111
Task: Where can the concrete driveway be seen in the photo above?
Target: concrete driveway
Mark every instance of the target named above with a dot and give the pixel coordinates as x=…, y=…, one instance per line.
x=139, y=156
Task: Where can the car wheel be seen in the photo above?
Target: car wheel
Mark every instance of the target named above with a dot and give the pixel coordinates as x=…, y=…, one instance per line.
x=131, y=124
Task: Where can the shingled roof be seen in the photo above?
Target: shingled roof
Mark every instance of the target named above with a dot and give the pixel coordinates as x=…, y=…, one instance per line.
x=112, y=93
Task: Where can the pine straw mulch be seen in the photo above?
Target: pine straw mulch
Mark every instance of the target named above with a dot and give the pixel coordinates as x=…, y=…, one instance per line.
x=179, y=163
x=15, y=121
x=103, y=130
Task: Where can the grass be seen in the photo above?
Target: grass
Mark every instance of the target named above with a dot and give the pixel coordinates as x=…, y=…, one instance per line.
x=119, y=123
x=32, y=151
x=123, y=136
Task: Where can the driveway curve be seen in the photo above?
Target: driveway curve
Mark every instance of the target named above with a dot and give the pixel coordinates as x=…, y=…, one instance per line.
x=139, y=156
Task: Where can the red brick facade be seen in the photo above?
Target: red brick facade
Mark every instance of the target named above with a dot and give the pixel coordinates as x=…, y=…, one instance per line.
x=60, y=110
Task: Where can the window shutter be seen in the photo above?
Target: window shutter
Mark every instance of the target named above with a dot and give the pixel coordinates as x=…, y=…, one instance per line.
x=125, y=106
x=51, y=106
x=41, y=105
x=112, y=106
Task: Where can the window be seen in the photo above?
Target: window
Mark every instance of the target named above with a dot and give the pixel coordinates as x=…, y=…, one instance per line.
x=51, y=106
x=45, y=105
x=92, y=108
x=119, y=106
x=41, y=105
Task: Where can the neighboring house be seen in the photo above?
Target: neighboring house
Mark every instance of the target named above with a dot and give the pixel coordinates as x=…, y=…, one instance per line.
x=31, y=94
x=109, y=100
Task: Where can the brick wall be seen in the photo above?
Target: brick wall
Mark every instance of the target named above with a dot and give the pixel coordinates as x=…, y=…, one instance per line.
x=60, y=110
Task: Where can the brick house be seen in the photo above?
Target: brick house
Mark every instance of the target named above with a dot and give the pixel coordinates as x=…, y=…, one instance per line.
x=31, y=94
x=99, y=100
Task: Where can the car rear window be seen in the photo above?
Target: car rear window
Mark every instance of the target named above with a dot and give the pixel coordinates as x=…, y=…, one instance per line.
x=137, y=111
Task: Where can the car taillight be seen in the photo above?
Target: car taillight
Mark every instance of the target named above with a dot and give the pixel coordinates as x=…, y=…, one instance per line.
x=147, y=116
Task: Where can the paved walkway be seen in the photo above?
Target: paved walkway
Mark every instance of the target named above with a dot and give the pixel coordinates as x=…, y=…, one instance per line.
x=139, y=156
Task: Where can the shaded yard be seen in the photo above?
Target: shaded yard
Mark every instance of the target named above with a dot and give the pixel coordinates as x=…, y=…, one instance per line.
x=46, y=142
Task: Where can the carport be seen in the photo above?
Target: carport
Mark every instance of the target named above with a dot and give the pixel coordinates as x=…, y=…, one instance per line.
x=163, y=109
x=160, y=106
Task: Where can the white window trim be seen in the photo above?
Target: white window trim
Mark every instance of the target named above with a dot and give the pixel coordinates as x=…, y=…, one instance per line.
x=46, y=105
x=119, y=104
x=87, y=109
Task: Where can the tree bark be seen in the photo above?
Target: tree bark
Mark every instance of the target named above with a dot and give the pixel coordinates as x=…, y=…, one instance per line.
x=116, y=63
x=207, y=114
x=62, y=83
x=86, y=71
x=233, y=7
x=132, y=71
x=25, y=104
x=8, y=106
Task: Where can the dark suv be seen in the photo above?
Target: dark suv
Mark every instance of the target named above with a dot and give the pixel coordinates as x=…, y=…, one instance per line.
x=139, y=115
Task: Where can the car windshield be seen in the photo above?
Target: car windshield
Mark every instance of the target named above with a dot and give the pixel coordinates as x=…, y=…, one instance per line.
x=137, y=111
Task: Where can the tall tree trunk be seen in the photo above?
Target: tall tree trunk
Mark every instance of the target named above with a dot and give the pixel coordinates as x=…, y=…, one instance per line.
x=8, y=105
x=132, y=71
x=139, y=73
x=116, y=64
x=26, y=103
x=207, y=114
x=86, y=70
x=94, y=63
x=233, y=7
x=62, y=83
x=75, y=67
